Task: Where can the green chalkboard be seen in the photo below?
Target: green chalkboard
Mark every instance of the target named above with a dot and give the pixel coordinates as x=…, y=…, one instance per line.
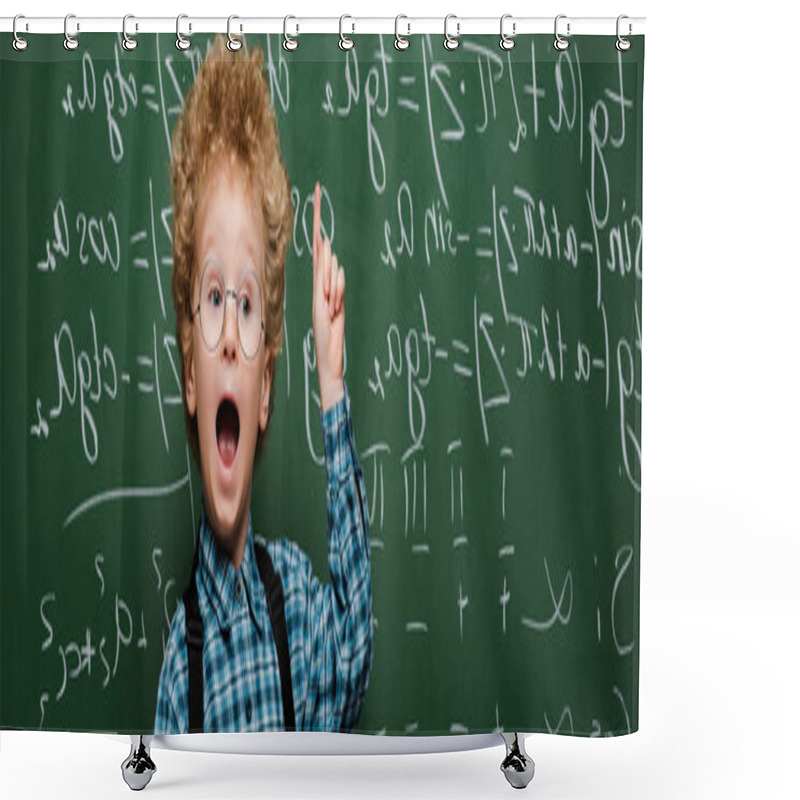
x=487, y=209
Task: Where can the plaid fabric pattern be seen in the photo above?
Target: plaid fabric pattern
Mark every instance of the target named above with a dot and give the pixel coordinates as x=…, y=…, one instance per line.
x=329, y=625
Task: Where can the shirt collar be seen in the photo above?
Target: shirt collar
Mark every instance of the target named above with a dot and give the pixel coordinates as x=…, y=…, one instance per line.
x=220, y=579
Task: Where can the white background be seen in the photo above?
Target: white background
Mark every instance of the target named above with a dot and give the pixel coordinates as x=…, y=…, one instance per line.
x=720, y=605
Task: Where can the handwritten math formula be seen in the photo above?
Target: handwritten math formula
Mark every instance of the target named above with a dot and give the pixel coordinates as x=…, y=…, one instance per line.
x=91, y=654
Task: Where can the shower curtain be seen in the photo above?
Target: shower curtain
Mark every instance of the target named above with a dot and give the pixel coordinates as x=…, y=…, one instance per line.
x=486, y=209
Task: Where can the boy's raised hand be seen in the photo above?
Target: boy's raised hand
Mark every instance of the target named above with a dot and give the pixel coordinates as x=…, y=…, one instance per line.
x=327, y=314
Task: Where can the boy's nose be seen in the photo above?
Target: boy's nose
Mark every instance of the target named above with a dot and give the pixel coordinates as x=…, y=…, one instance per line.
x=229, y=332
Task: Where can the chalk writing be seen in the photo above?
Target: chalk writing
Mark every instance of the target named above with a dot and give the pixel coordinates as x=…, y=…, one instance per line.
x=594, y=726
x=621, y=564
x=405, y=224
x=373, y=460
x=375, y=84
x=125, y=493
x=93, y=652
x=119, y=94
x=97, y=238
x=303, y=213
x=278, y=74
x=409, y=355
x=150, y=237
x=85, y=377
x=562, y=608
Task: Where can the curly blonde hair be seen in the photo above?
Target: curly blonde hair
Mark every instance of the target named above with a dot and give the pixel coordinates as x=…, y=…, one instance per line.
x=227, y=111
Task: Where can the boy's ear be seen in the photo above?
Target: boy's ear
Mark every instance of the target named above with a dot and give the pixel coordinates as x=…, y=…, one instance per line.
x=266, y=382
x=191, y=384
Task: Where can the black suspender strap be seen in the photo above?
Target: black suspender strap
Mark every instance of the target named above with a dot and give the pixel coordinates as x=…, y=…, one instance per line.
x=277, y=617
x=273, y=586
x=194, y=650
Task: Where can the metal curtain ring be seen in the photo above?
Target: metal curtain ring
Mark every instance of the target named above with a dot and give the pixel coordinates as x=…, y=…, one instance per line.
x=127, y=42
x=289, y=43
x=451, y=42
x=561, y=43
x=507, y=42
x=20, y=44
x=400, y=42
x=623, y=45
x=234, y=42
x=345, y=42
x=182, y=43
x=70, y=42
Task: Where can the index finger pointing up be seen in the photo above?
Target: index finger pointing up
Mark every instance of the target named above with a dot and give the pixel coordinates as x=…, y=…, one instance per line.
x=316, y=232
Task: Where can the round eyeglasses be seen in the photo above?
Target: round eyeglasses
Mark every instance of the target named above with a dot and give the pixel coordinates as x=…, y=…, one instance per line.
x=213, y=303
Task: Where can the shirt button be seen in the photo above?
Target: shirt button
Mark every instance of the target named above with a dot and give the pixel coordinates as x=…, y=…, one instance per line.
x=239, y=588
x=248, y=710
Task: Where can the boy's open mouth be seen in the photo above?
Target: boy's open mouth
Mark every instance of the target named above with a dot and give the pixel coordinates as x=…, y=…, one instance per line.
x=227, y=431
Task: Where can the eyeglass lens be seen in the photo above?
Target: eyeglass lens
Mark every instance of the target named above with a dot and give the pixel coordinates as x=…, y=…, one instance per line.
x=213, y=305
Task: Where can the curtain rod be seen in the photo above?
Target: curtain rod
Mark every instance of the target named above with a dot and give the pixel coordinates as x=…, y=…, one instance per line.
x=297, y=25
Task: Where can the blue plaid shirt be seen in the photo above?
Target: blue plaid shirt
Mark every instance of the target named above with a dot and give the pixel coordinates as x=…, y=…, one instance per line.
x=329, y=625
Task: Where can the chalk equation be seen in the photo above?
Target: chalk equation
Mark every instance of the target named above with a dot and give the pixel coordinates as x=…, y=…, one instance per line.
x=91, y=653
x=431, y=90
x=497, y=354
x=117, y=95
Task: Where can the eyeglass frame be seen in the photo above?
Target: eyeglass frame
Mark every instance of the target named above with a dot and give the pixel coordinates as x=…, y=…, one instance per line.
x=234, y=293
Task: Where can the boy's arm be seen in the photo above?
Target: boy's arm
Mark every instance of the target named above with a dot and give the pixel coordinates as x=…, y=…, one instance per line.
x=330, y=623
x=348, y=556
x=340, y=613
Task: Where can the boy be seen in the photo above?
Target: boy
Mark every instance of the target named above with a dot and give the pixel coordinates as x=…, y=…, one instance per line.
x=258, y=643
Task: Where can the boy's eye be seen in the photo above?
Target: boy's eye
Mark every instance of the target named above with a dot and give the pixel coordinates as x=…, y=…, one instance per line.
x=215, y=296
x=246, y=306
